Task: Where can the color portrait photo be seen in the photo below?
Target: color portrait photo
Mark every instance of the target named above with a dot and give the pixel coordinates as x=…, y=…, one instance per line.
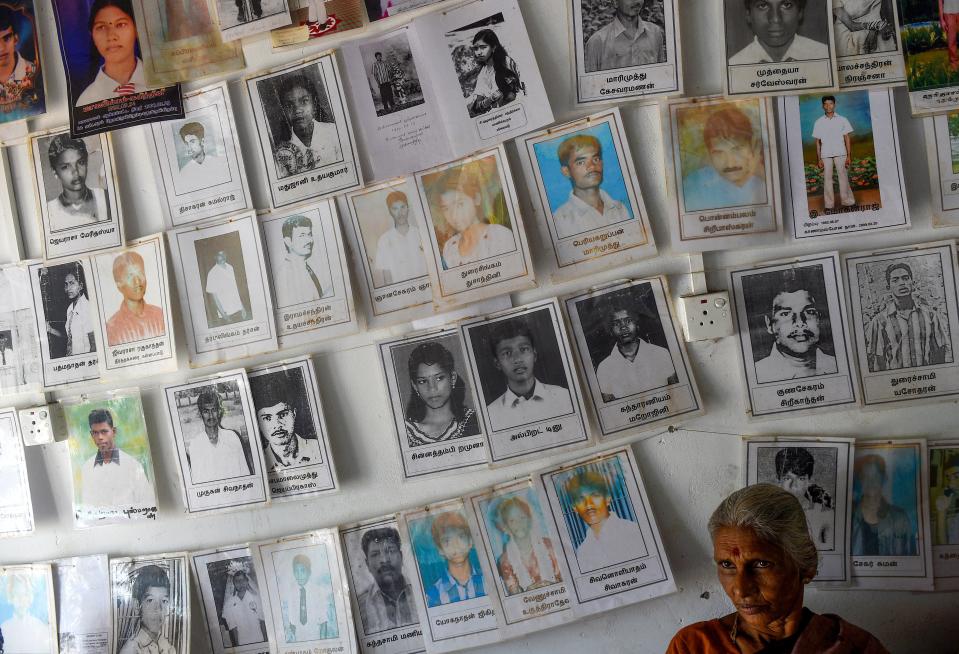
x=584, y=181
x=599, y=515
x=446, y=555
x=722, y=149
x=306, y=602
x=839, y=153
x=469, y=212
x=28, y=621
x=862, y=27
x=22, y=92
x=929, y=30
x=944, y=494
x=886, y=502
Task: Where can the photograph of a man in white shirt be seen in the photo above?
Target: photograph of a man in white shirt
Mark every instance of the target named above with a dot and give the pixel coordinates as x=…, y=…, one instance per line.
x=609, y=539
x=224, y=294
x=203, y=168
x=113, y=477
x=303, y=275
x=526, y=399
x=215, y=452
x=312, y=142
x=589, y=206
x=399, y=250
x=626, y=40
x=633, y=365
x=834, y=151
x=774, y=25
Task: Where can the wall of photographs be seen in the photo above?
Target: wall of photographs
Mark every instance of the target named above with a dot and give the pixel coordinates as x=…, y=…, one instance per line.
x=685, y=469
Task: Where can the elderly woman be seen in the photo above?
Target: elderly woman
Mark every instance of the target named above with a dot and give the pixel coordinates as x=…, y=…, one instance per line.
x=764, y=557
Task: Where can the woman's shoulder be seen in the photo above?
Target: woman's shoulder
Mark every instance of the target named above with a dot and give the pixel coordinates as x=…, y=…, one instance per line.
x=827, y=629
x=706, y=636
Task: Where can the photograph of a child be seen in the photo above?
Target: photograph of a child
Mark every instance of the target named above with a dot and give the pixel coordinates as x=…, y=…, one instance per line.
x=446, y=556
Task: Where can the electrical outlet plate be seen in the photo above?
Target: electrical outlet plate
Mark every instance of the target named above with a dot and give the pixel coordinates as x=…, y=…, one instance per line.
x=707, y=316
x=36, y=425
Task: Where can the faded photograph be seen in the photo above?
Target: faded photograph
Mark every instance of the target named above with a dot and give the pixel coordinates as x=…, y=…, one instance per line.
x=944, y=495
x=302, y=273
x=201, y=159
x=811, y=475
x=789, y=324
x=448, y=562
x=885, y=507
x=213, y=424
x=135, y=319
x=391, y=239
x=27, y=625
x=226, y=296
x=306, y=594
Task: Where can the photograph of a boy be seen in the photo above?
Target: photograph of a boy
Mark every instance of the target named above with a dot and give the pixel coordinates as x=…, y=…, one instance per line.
x=448, y=563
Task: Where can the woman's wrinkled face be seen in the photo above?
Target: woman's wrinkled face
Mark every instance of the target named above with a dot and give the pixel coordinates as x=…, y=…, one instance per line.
x=761, y=580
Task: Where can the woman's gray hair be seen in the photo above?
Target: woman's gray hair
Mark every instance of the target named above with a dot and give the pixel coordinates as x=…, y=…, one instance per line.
x=776, y=516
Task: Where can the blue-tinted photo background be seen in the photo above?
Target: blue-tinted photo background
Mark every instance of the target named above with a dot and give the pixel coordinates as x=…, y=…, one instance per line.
x=902, y=480
x=490, y=510
x=40, y=606
x=612, y=471
x=431, y=564
x=853, y=105
x=558, y=186
x=80, y=57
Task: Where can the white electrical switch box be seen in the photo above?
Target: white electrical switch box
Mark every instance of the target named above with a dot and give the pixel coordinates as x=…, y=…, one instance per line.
x=36, y=425
x=707, y=316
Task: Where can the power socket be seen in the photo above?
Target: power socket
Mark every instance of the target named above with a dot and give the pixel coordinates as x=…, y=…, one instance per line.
x=707, y=316
x=36, y=425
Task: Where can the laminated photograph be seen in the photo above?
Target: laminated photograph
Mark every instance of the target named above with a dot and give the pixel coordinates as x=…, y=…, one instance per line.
x=19, y=340
x=890, y=516
x=107, y=88
x=778, y=47
x=722, y=170
x=133, y=298
x=385, y=230
x=293, y=434
x=521, y=556
x=796, y=352
x=452, y=593
x=942, y=151
x=905, y=318
x=313, y=19
x=590, y=215
x=378, y=565
x=433, y=403
x=379, y=9
x=16, y=507
x=181, y=41
x=22, y=94
x=231, y=600
x=28, y=617
x=241, y=18
x=475, y=239
x=224, y=290
x=944, y=504
x=67, y=321
x=447, y=84
x=843, y=172
x=818, y=472
x=526, y=382
x=608, y=536
x=633, y=356
x=214, y=425
x=868, y=45
x=625, y=49
x=83, y=604
x=197, y=160
x=76, y=193
x=306, y=260
x=928, y=30
x=110, y=460
x=307, y=594
x=304, y=130
x=151, y=604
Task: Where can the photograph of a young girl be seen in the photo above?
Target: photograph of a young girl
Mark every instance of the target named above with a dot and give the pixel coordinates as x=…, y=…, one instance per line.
x=489, y=77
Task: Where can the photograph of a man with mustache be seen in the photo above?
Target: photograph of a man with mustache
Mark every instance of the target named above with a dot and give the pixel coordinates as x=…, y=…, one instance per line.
x=276, y=397
x=796, y=319
x=387, y=603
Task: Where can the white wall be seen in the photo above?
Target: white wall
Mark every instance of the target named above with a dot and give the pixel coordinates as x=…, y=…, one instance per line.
x=687, y=471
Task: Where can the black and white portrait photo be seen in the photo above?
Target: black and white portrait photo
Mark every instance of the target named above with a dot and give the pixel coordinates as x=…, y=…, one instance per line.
x=525, y=379
x=77, y=192
x=383, y=597
x=213, y=426
x=629, y=347
x=433, y=399
x=306, y=263
x=304, y=130
x=489, y=77
x=789, y=325
x=224, y=288
x=66, y=322
x=291, y=428
x=391, y=73
x=623, y=33
x=818, y=474
x=20, y=369
x=905, y=319
x=232, y=600
x=200, y=172
x=240, y=18
x=791, y=319
x=761, y=34
x=151, y=605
